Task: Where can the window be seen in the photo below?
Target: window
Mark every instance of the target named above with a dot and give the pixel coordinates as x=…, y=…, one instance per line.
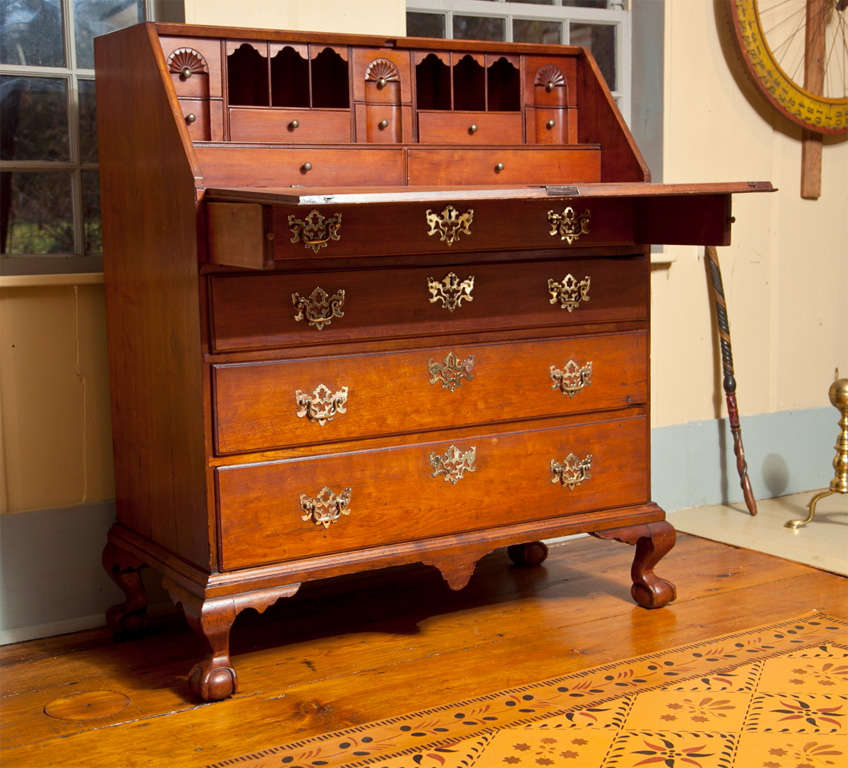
x=604, y=26
x=49, y=194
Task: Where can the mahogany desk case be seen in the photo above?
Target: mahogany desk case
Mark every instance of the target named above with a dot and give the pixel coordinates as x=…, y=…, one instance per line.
x=371, y=302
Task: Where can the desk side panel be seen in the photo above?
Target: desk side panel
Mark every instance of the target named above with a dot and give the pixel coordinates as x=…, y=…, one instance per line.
x=150, y=254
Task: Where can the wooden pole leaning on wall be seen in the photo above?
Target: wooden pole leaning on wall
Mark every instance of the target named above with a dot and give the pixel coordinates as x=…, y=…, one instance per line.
x=729, y=379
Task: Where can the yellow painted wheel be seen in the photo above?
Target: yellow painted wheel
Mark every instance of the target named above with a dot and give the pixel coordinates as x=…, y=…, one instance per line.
x=773, y=37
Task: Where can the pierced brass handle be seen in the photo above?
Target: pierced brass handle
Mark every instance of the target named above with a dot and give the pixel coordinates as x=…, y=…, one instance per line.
x=322, y=405
x=569, y=292
x=315, y=230
x=190, y=118
x=571, y=471
x=572, y=378
x=383, y=124
x=451, y=291
x=472, y=129
x=293, y=125
x=319, y=308
x=449, y=223
x=499, y=167
x=325, y=508
x=550, y=124
x=451, y=371
x=453, y=463
x=568, y=225
x=306, y=167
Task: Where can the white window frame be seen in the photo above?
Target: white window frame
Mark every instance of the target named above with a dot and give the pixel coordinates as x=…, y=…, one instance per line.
x=78, y=261
x=616, y=14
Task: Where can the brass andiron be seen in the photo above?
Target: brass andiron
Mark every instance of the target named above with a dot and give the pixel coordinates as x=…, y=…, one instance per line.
x=838, y=393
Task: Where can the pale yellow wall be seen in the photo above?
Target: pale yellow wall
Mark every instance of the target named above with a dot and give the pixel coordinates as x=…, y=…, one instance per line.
x=55, y=432
x=786, y=272
x=374, y=17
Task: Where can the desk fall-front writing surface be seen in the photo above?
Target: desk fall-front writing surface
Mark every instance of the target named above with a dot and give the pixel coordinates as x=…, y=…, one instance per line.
x=371, y=302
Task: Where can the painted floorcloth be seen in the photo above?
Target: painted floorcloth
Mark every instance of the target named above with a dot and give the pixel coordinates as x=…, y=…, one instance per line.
x=769, y=697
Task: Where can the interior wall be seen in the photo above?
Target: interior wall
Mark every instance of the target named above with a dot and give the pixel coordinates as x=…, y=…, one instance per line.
x=784, y=273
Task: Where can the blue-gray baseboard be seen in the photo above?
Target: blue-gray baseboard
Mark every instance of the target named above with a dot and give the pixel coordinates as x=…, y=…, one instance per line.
x=52, y=580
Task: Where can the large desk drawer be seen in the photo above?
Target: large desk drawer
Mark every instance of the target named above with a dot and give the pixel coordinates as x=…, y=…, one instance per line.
x=262, y=311
x=260, y=406
x=427, y=488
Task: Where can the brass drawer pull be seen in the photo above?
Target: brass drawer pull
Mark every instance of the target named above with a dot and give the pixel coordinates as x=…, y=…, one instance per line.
x=499, y=167
x=322, y=405
x=569, y=292
x=568, y=225
x=325, y=508
x=472, y=129
x=453, y=463
x=450, y=291
x=449, y=223
x=451, y=371
x=550, y=124
x=190, y=118
x=572, y=378
x=293, y=125
x=383, y=124
x=319, y=308
x=571, y=471
x=315, y=230
x=306, y=167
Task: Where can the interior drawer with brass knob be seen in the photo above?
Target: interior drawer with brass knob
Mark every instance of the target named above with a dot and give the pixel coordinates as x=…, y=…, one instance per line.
x=430, y=486
x=266, y=405
x=276, y=309
x=290, y=126
x=469, y=127
x=508, y=165
x=551, y=125
x=383, y=123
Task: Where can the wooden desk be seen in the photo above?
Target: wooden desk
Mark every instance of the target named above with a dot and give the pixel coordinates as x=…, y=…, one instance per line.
x=371, y=302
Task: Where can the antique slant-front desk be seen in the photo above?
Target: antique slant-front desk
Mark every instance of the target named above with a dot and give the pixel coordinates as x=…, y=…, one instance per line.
x=371, y=302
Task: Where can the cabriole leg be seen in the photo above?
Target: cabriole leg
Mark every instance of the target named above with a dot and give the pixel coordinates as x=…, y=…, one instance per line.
x=653, y=541
x=124, y=568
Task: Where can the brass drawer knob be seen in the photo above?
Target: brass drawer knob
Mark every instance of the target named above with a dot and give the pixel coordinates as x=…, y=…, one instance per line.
x=549, y=86
x=186, y=72
x=381, y=83
x=568, y=225
x=499, y=167
x=569, y=292
x=451, y=371
x=325, y=508
x=453, y=463
x=572, y=378
x=571, y=471
x=450, y=290
x=322, y=405
x=306, y=167
x=293, y=125
x=472, y=129
x=319, y=308
x=315, y=230
x=190, y=118
x=449, y=224
x=383, y=124
x=550, y=124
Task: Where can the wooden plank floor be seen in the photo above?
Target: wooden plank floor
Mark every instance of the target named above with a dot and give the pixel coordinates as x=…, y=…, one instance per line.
x=375, y=645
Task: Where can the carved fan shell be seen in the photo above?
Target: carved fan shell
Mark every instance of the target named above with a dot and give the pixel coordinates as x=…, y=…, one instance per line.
x=550, y=74
x=183, y=59
x=382, y=68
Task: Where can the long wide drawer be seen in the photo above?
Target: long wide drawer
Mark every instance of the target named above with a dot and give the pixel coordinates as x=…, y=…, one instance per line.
x=282, y=510
x=260, y=406
x=258, y=311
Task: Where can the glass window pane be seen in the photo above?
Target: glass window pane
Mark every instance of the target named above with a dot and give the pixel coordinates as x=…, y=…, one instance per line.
x=534, y=2
x=35, y=213
x=585, y=3
x=31, y=33
x=91, y=212
x=425, y=24
x=479, y=28
x=535, y=31
x=600, y=39
x=97, y=17
x=33, y=118
x=87, y=121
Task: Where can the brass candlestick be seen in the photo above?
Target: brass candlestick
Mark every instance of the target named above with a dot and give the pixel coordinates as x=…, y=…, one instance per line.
x=839, y=397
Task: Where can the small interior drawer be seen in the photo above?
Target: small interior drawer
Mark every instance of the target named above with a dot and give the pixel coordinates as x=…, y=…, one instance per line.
x=471, y=128
x=290, y=126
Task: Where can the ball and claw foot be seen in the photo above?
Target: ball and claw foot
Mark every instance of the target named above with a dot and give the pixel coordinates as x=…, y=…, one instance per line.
x=211, y=680
x=532, y=553
x=127, y=619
